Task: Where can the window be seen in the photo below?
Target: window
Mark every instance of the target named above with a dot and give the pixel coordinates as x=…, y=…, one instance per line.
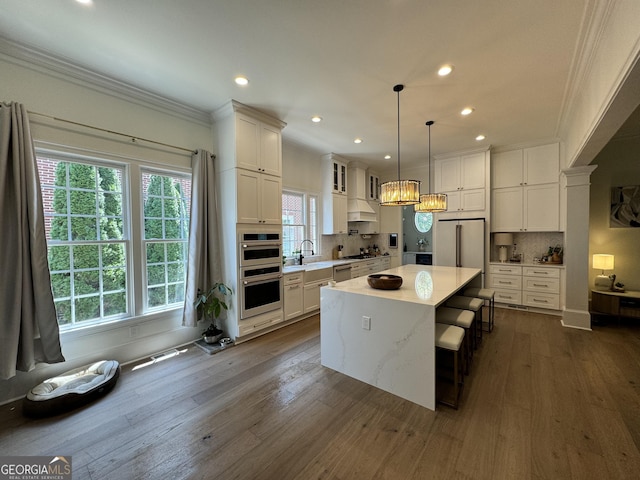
x=423, y=221
x=299, y=221
x=91, y=235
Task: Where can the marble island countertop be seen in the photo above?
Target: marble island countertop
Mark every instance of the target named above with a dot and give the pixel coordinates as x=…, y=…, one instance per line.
x=424, y=284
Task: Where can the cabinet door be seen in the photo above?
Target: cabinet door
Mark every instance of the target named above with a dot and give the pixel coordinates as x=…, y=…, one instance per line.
x=293, y=301
x=312, y=297
x=270, y=150
x=541, y=206
x=334, y=218
x=270, y=206
x=506, y=213
x=506, y=169
x=542, y=164
x=247, y=143
x=248, y=196
x=447, y=175
x=472, y=199
x=472, y=171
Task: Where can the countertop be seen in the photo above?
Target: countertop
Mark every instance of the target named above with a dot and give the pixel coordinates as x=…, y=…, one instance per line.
x=424, y=284
x=326, y=264
x=530, y=264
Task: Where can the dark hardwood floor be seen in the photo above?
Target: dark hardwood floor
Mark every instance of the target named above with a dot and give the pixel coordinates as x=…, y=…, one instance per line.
x=542, y=402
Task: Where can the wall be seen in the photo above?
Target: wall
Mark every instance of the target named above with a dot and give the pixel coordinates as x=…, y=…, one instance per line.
x=618, y=165
x=48, y=91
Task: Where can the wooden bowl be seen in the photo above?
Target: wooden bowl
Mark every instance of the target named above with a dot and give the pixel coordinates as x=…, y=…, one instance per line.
x=383, y=281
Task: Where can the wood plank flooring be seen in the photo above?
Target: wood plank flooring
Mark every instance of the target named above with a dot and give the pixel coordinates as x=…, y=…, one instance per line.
x=542, y=402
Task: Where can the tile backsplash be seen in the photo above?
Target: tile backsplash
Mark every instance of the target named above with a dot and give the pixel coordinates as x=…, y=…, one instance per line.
x=530, y=244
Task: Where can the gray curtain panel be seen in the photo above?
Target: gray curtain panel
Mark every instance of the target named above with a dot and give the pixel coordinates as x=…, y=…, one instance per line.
x=28, y=325
x=203, y=269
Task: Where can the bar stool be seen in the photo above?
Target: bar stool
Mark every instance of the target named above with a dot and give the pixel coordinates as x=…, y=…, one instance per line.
x=463, y=319
x=450, y=337
x=484, y=294
x=473, y=304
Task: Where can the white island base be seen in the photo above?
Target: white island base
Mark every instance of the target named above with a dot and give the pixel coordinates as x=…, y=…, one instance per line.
x=386, y=337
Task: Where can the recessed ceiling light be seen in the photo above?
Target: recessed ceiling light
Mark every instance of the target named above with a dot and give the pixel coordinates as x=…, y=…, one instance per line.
x=85, y=2
x=480, y=137
x=357, y=140
x=445, y=70
x=241, y=80
x=316, y=119
x=387, y=157
x=466, y=111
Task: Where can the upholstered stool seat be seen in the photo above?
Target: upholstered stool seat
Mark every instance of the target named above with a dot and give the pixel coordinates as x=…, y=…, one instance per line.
x=486, y=294
x=71, y=389
x=474, y=305
x=450, y=338
x=463, y=319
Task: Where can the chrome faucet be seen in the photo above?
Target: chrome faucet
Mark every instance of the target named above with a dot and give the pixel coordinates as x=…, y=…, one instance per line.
x=300, y=248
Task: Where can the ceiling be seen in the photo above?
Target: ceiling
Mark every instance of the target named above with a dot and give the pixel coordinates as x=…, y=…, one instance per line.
x=512, y=59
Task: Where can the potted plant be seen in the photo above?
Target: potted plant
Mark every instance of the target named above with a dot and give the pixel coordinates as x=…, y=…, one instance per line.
x=209, y=305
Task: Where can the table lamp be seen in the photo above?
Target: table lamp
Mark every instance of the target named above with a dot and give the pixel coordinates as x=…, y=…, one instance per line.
x=503, y=240
x=603, y=262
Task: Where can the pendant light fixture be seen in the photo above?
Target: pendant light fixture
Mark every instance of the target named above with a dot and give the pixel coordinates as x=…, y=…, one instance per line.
x=399, y=192
x=431, y=202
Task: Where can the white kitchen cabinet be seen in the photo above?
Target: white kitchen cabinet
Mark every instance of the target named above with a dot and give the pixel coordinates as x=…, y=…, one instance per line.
x=258, y=146
x=528, y=166
x=464, y=179
x=259, y=322
x=466, y=172
x=334, y=219
x=293, y=295
x=373, y=187
x=533, y=208
x=525, y=193
x=259, y=198
x=334, y=195
x=408, y=258
x=537, y=286
x=312, y=295
x=334, y=170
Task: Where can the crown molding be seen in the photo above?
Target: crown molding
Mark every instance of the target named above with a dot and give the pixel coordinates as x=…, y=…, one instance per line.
x=43, y=62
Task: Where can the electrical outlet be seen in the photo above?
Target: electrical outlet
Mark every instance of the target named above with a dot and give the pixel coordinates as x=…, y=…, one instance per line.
x=134, y=331
x=366, y=323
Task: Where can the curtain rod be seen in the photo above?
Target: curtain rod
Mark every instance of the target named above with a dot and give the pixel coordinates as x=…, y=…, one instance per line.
x=133, y=139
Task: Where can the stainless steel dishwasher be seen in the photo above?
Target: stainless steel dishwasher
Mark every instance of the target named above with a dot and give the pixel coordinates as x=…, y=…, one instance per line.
x=342, y=272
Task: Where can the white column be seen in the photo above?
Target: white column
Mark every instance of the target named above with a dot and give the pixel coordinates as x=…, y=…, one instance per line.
x=576, y=252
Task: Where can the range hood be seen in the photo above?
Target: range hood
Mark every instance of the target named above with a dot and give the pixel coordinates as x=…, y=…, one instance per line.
x=358, y=209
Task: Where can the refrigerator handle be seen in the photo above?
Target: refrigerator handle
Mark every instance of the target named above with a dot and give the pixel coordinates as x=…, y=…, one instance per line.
x=458, y=246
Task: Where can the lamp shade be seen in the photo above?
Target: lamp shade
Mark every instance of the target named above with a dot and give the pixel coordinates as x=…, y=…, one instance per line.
x=503, y=238
x=431, y=202
x=603, y=261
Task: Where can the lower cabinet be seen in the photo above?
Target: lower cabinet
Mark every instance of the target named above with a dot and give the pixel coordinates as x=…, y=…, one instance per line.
x=531, y=286
x=312, y=295
x=293, y=295
x=259, y=322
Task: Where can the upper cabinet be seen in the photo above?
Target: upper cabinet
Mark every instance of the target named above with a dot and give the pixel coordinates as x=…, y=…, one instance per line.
x=249, y=167
x=335, y=175
x=464, y=179
x=466, y=172
x=529, y=166
x=525, y=194
x=248, y=139
x=258, y=146
x=334, y=194
x=373, y=186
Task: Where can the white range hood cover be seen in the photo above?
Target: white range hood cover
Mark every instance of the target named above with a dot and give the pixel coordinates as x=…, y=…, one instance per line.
x=358, y=209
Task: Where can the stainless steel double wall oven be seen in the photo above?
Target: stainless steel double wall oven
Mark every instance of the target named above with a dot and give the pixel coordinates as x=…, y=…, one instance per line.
x=261, y=283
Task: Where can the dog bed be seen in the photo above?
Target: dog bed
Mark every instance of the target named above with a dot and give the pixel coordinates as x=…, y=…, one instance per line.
x=72, y=389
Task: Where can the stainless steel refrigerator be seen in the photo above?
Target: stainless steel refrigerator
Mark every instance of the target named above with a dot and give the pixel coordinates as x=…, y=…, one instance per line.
x=460, y=243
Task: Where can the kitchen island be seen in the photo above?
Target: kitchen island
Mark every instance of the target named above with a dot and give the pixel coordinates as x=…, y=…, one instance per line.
x=386, y=337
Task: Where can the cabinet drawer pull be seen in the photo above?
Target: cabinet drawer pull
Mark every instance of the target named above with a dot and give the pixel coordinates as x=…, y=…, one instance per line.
x=540, y=273
x=262, y=324
x=504, y=283
x=293, y=287
x=540, y=301
x=543, y=285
